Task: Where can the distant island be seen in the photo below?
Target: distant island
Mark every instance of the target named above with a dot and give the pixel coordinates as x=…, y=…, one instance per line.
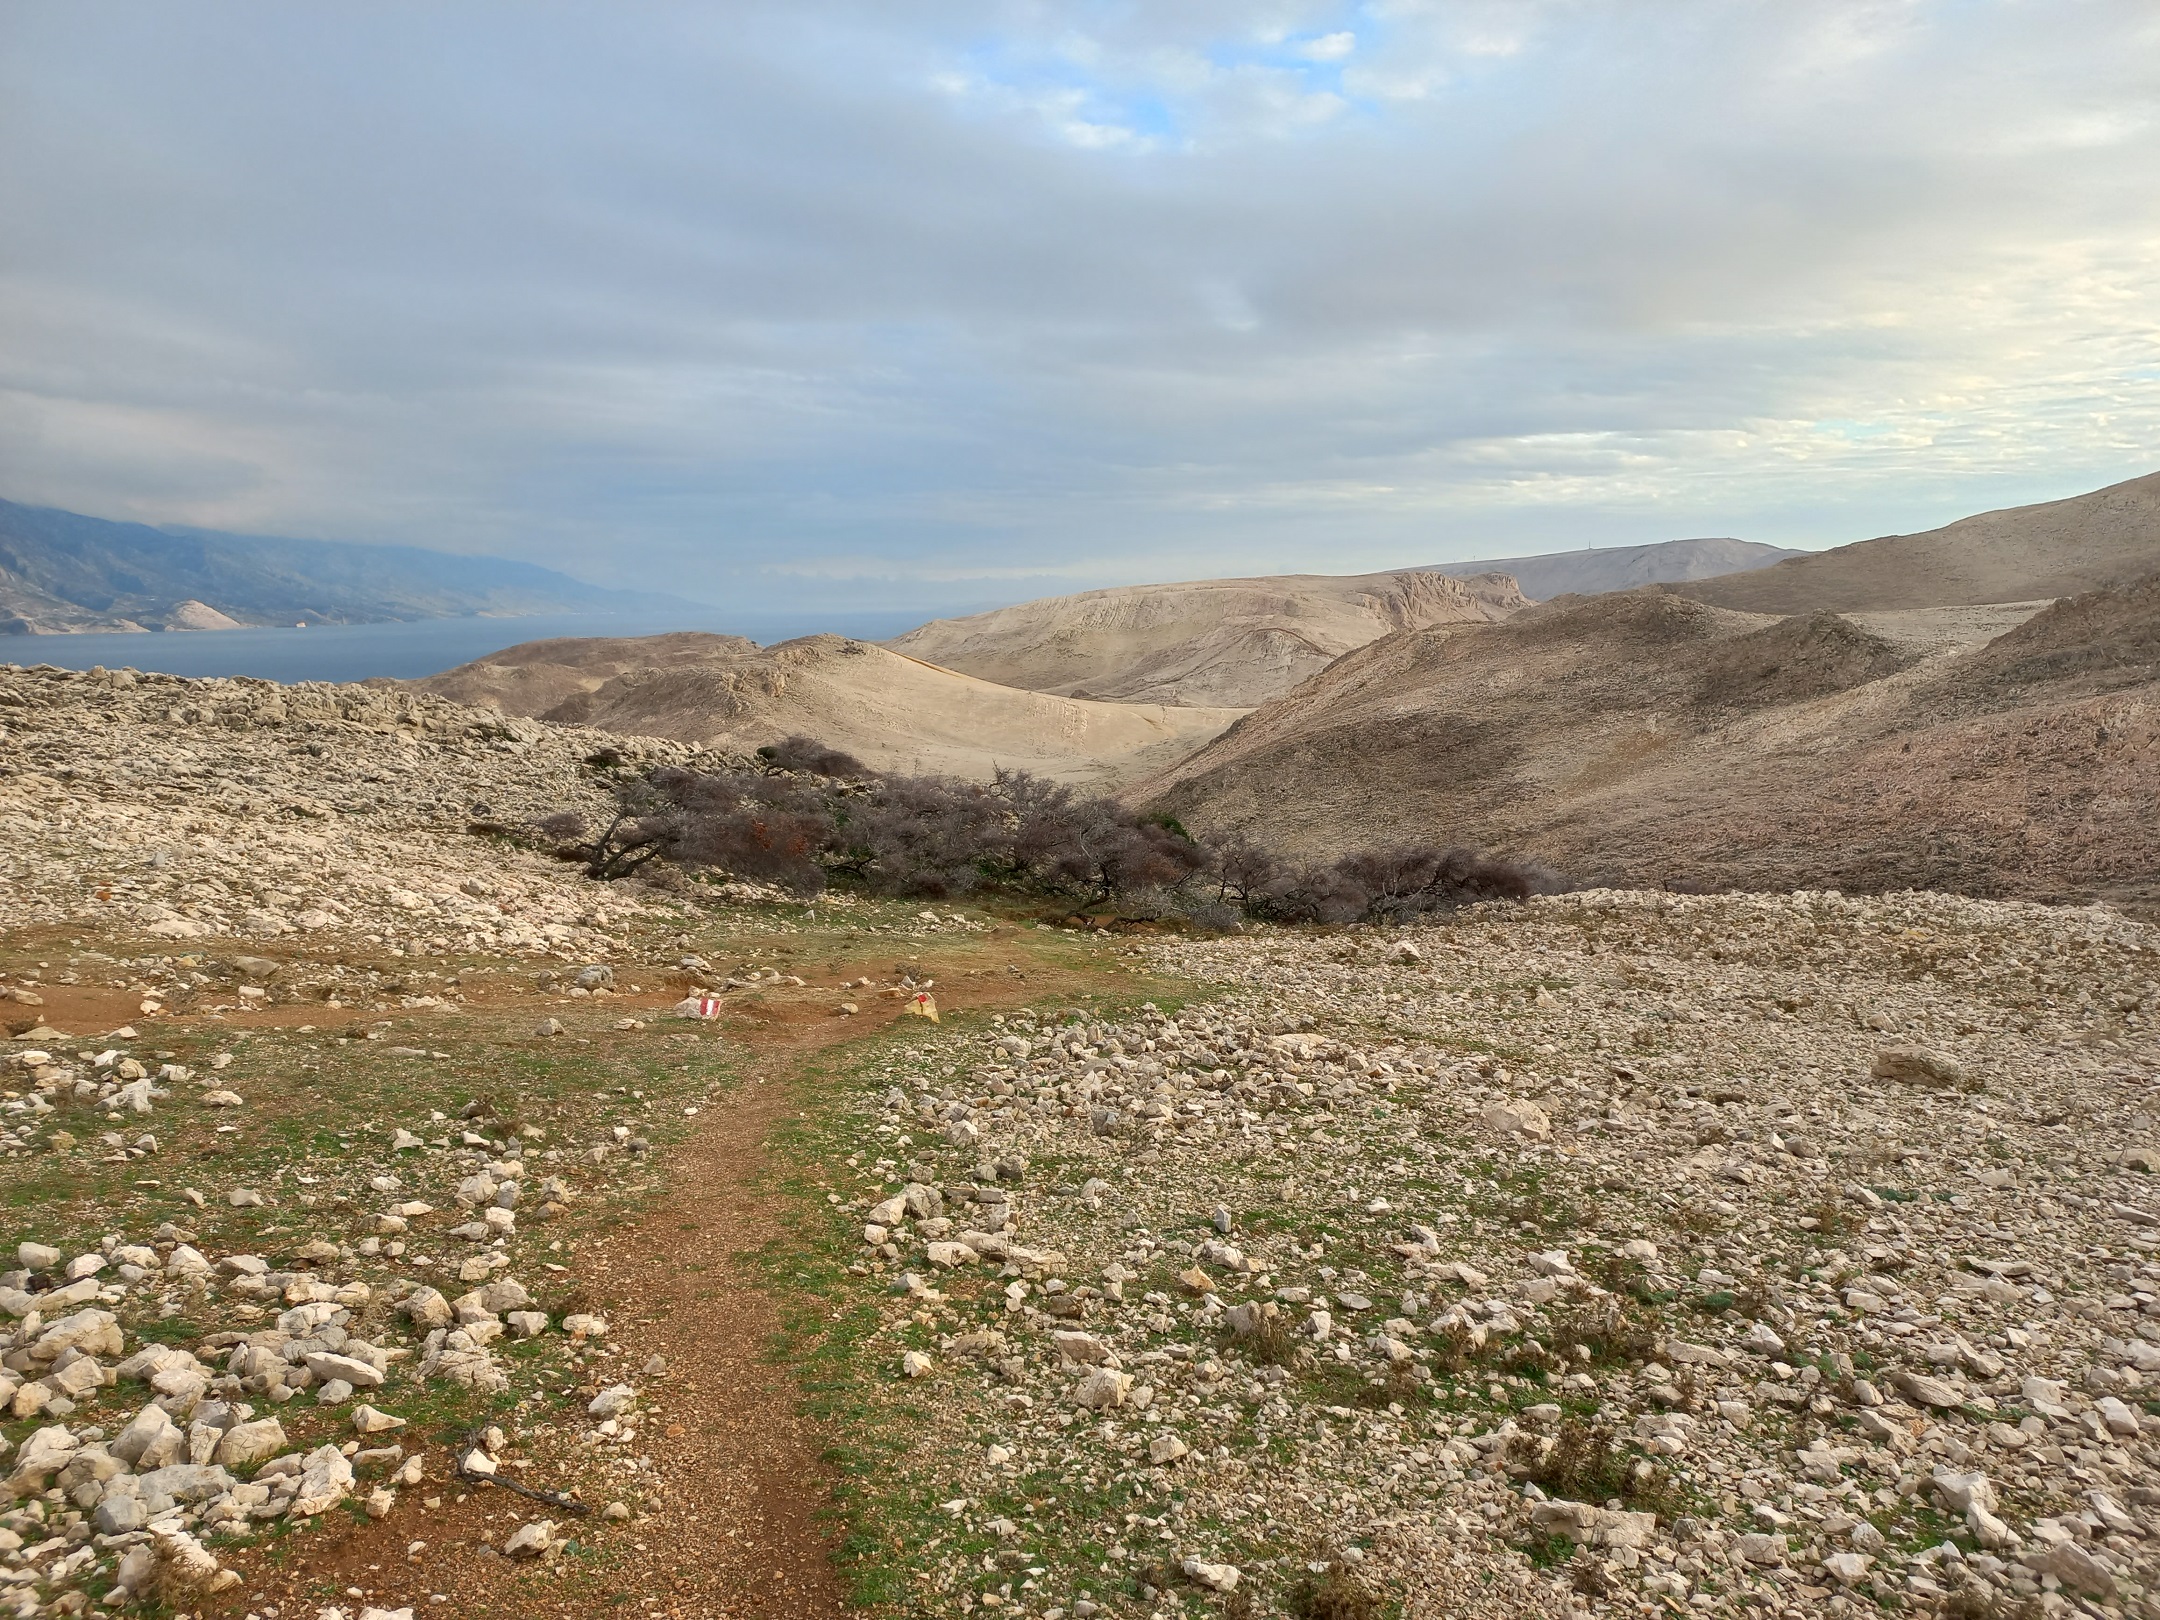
x=62, y=573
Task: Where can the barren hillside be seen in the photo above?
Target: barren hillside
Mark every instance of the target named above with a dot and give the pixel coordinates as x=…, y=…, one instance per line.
x=1594, y=571
x=2020, y=554
x=891, y=711
x=400, y=1224
x=1652, y=738
x=1231, y=642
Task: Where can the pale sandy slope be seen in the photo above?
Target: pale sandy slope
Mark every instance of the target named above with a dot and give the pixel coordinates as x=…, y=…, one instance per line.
x=2019, y=554
x=891, y=711
x=1227, y=642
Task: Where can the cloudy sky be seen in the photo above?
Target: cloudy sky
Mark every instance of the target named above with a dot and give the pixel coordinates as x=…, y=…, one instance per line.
x=873, y=302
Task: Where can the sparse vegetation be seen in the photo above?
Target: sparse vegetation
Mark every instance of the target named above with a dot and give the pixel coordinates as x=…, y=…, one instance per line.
x=1337, y=1595
x=811, y=814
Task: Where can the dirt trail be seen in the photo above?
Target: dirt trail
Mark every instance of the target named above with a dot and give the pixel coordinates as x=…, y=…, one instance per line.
x=740, y=1532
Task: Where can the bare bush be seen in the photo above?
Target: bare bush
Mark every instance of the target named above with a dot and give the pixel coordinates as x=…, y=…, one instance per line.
x=934, y=838
x=922, y=836
x=812, y=757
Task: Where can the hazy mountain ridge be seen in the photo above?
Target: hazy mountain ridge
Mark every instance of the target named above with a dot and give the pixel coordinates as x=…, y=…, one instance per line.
x=1621, y=568
x=2032, y=553
x=62, y=572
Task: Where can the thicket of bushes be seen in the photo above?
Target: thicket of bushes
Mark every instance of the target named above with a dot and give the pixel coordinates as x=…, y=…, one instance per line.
x=811, y=814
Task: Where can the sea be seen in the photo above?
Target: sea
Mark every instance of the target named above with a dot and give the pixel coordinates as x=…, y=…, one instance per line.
x=406, y=651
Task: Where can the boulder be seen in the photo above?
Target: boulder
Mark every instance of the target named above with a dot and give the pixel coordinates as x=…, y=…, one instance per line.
x=1102, y=1389
x=1922, y=1066
x=1589, y=1525
x=246, y=1444
x=1516, y=1119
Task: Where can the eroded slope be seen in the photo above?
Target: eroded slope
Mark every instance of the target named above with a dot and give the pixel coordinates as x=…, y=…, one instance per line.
x=1659, y=739
x=891, y=711
x=1228, y=642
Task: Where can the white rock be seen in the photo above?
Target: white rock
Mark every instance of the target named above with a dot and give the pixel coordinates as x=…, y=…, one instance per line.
x=1166, y=1448
x=530, y=1540
x=325, y=1480
x=351, y=1370
x=1102, y=1389
x=1761, y=1341
x=246, y=1444
x=1519, y=1117
x=1215, y=1577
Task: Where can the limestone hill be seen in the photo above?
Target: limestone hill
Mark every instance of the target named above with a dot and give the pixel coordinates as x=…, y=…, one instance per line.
x=1653, y=738
x=1228, y=642
x=892, y=711
x=2019, y=554
x=1594, y=571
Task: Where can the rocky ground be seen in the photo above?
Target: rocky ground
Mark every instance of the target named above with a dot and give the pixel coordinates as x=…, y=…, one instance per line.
x=1725, y=1254
x=1613, y=1253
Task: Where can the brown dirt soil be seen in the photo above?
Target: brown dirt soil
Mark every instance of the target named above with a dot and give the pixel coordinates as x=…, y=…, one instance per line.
x=745, y=1532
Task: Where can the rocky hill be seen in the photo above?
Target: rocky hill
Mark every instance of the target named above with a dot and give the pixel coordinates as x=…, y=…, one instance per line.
x=1227, y=642
x=891, y=711
x=2019, y=554
x=61, y=572
x=399, y=1223
x=217, y=808
x=1652, y=738
x=1621, y=568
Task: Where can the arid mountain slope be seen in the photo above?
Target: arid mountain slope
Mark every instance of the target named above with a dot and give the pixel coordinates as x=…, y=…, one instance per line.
x=1655, y=739
x=891, y=711
x=2020, y=554
x=1622, y=568
x=1228, y=642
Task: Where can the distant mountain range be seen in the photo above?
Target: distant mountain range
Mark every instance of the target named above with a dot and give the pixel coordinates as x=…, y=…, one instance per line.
x=1622, y=568
x=2018, y=554
x=1971, y=708
x=1240, y=642
x=61, y=572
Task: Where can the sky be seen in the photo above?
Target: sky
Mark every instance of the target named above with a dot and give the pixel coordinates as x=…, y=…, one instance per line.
x=873, y=303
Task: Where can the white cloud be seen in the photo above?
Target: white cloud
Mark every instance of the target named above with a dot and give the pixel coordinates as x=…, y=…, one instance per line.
x=876, y=300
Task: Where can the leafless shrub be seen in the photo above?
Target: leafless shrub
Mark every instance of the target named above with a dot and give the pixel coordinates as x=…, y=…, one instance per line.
x=922, y=836
x=812, y=757
x=563, y=825
x=1611, y=1329
x=1215, y=916
x=934, y=838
